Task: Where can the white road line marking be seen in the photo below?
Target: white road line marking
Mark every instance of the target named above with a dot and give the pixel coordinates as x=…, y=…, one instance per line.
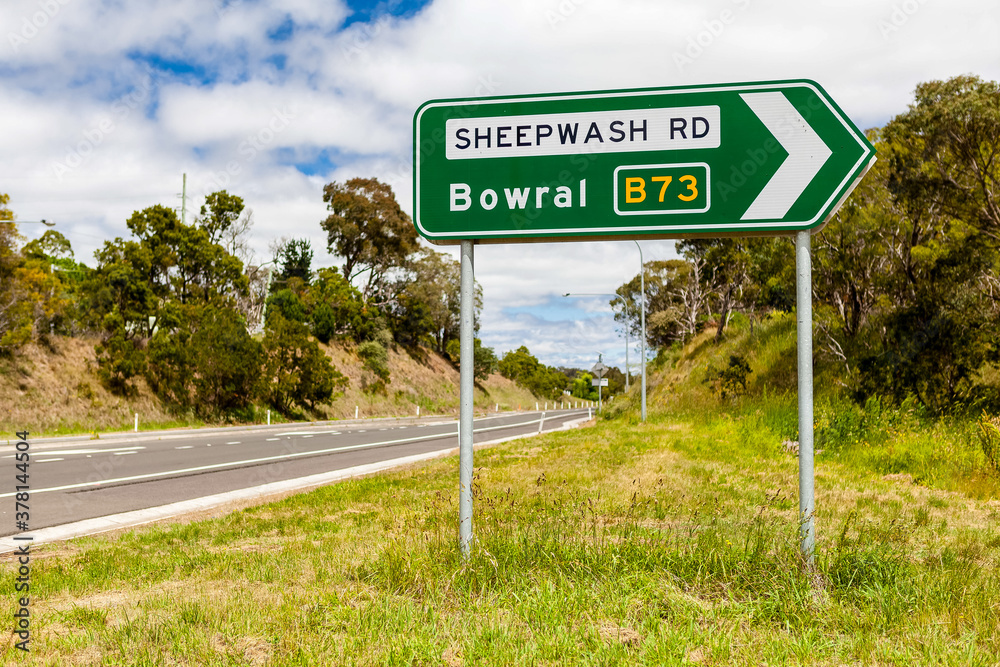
x=48, y=460
x=273, y=439
x=185, y=447
x=234, y=443
x=88, y=452
x=123, y=453
x=307, y=436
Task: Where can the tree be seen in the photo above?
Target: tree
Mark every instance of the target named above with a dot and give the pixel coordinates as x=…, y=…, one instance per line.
x=952, y=159
x=582, y=387
x=32, y=297
x=522, y=367
x=228, y=362
x=368, y=229
x=485, y=360
x=227, y=222
x=160, y=282
x=674, y=300
x=295, y=259
x=436, y=281
x=938, y=312
x=336, y=308
x=296, y=372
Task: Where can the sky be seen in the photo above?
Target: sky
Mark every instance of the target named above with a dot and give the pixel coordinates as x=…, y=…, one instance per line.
x=104, y=104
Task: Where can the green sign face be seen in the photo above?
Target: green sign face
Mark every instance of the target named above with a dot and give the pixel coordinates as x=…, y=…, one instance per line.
x=760, y=158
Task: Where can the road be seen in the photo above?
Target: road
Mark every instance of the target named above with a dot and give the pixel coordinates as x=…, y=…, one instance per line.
x=84, y=479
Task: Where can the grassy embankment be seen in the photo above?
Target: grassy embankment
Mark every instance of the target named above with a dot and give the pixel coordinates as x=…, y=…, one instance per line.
x=669, y=542
x=56, y=391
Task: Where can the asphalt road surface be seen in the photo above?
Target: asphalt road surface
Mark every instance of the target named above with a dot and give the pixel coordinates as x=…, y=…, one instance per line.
x=84, y=479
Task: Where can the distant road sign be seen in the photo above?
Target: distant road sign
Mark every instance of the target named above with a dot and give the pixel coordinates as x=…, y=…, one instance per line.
x=603, y=382
x=761, y=158
x=599, y=369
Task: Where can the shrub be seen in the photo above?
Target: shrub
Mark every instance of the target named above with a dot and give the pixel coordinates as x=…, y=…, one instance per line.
x=376, y=361
x=989, y=439
x=732, y=380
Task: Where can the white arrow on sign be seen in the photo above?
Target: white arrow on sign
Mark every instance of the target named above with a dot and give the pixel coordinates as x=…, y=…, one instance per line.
x=807, y=154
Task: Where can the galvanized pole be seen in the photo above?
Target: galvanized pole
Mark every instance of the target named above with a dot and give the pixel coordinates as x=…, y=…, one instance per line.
x=803, y=309
x=642, y=343
x=466, y=363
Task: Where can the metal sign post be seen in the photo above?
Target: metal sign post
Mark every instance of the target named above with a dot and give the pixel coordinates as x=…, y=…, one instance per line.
x=599, y=370
x=803, y=311
x=466, y=379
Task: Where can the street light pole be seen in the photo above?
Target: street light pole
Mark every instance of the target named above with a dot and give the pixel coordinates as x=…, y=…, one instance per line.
x=642, y=344
x=625, y=304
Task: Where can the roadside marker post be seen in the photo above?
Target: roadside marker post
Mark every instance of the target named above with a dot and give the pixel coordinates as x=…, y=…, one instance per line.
x=772, y=158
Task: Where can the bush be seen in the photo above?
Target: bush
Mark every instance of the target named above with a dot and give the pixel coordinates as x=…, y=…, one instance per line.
x=989, y=439
x=376, y=361
x=732, y=380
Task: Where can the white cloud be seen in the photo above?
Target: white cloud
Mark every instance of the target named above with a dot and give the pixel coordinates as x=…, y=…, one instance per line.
x=353, y=93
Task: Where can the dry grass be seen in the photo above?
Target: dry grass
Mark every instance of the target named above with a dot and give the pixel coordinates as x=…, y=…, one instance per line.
x=55, y=390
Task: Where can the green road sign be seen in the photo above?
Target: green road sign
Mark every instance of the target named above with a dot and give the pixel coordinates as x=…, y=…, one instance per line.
x=746, y=158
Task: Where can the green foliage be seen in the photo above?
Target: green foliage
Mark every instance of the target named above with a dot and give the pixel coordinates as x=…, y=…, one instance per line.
x=166, y=301
x=296, y=371
x=731, y=381
x=171, y=366
x=989, y=439
x=484, y=358
x=369, y=230
x=582, y=387
x=376, y=361
x=219, y=216
x=119, y=359
x=285, y=304
x=229, y=361
x=295, y=259
x=409, y=320
x=337, y=309
x=522, y=367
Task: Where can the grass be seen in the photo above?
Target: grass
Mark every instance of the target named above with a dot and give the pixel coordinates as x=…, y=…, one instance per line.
x=670, y=542
x=663, y=543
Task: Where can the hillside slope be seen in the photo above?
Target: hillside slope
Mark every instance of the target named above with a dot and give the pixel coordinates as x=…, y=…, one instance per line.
x=55, y=390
